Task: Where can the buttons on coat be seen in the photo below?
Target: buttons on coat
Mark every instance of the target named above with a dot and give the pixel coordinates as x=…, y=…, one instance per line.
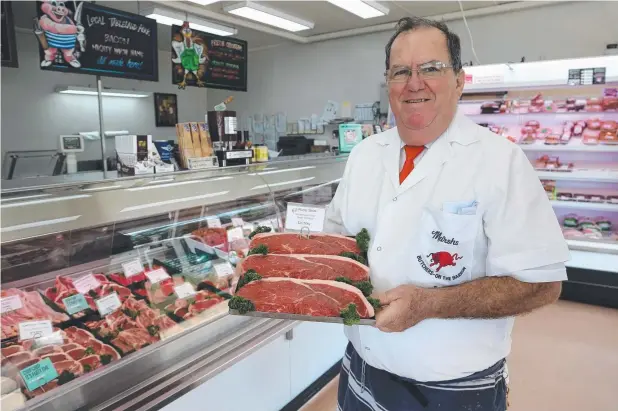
x=394, y=198
x=379, y=248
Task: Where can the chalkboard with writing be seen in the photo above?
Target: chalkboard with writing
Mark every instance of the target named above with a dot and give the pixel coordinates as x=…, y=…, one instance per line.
x=8, y=48
x=81, y=37
x=206, y=60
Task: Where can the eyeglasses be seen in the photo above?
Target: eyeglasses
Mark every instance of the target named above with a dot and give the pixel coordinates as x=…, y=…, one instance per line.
x=425, y=71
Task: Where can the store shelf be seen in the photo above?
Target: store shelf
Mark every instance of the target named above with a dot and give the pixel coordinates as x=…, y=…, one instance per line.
x=574, y=145
x=581, y=115
x=585, y=205
x=598, y=246
x=603, y=176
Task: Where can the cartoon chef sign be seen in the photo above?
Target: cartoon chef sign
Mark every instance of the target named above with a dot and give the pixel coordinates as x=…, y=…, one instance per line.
x=57, y=31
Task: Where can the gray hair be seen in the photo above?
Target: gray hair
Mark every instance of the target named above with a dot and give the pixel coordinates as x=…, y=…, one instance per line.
x=412, y=23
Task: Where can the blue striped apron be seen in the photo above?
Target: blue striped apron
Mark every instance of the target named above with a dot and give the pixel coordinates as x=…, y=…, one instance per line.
x=61, y=41
x=365, y=388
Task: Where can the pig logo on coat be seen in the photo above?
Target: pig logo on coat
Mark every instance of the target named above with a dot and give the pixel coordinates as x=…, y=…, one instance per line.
x=443, y=259
x=56, y=31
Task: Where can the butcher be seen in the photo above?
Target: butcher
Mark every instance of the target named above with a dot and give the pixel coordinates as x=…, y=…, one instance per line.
x=463, y=239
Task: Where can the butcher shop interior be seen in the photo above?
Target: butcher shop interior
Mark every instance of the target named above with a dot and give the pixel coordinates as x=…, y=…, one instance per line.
x=167, y=169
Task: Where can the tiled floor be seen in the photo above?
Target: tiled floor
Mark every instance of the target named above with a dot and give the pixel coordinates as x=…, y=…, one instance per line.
x=564, y=358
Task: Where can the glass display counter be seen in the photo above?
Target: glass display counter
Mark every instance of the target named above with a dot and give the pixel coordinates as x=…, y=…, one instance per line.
x=122, y=286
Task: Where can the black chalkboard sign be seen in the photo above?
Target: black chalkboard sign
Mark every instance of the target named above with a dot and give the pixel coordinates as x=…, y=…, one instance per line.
x=81, y=37
x=7, y=28
x=205, y=60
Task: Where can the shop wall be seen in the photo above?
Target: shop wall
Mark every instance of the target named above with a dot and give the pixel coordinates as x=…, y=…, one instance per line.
x=33, y=115
x=299, y=79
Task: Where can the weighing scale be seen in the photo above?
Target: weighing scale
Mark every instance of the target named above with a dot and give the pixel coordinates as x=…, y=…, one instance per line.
x=69, y=145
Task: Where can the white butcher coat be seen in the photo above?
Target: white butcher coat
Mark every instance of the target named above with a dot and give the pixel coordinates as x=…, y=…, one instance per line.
x=472, y=207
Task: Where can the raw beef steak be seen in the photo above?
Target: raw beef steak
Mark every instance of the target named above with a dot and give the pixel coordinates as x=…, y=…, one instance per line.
x=292, y=243
x=306, y=267
x=306, y=297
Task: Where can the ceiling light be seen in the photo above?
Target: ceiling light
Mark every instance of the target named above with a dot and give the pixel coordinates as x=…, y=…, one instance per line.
x=87, y=91
x=204, y=2
x=172, y=17
x=267, y=15
x=363, y=9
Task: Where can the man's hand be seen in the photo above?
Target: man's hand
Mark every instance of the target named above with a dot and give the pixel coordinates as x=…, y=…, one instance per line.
x=402, y=308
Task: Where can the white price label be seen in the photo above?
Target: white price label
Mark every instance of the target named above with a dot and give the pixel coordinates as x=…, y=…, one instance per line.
x=158, y=275
x=301, y=216
x=35, y=329
x=108, y=304
x=213, y=222
x=184, y=290
x=11, y=303
x=237, y=222
x=224, y=269
x=86, y=283
x=55, y=338
x=235, y=233
x=132, y=268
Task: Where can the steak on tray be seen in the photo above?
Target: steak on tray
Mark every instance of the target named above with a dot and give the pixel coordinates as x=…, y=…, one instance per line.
x=306, y=267
x=306, y=297
x=293, y=243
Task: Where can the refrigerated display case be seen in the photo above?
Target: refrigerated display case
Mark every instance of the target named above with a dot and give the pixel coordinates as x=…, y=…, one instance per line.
x=134, y=275
x=569, y=134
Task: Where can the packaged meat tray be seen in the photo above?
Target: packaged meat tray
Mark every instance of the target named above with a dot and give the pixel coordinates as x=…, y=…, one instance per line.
x=320, y=277
x=98, y=284
x=78, y=353
x=133, y=326
x=205, y=298
x=26, y=306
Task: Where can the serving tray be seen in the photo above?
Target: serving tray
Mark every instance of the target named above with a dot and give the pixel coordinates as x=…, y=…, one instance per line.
x=298, y=317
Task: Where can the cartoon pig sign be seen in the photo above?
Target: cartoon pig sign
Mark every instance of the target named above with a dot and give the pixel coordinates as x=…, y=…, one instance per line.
x=57, y=31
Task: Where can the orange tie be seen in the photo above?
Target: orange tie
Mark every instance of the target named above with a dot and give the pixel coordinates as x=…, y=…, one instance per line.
x=411, y=153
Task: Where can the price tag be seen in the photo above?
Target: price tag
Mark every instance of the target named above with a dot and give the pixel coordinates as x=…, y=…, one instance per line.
x=224, y=269
x=132, y=268
x=11, y=303
x=108, y=304
x=184, y=290
x=34, y=329
x=237, y=222
x=86, y=283
x=301, y=216
x=54, y=338
x=213, y=222
x=235, y=233
x=158, y=275
x=39, y=374
x=75, y=303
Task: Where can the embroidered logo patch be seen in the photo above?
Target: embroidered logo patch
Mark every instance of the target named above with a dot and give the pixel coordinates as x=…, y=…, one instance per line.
x=439, y=260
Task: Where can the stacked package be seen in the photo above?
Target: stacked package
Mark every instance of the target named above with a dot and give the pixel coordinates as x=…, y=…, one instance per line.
x=194, y=141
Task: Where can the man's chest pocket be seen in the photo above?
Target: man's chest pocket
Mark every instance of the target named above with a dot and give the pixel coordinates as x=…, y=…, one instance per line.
x=445, y=247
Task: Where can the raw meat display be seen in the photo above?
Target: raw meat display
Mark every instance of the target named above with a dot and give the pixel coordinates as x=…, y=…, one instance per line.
x=186, y=308
x=159, y=292
x=307, y=266
x=306, y=297
x=214, y=237
x=133, y=326
x=64, y=288
x=33, y=308
x=80, y=353
x=291, y=243
x=135, y=283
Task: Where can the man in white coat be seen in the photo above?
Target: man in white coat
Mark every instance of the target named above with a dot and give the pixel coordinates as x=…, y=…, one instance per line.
x=463, y=239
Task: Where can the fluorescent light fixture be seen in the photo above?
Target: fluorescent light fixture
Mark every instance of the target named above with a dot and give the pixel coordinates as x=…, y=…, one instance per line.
x=49, y=200
x=267, y=15
x=363, y=9
x=168, y=202
x=204, y=2
x=172, y=17
x=283, y=183
x=87, y=91
x=39, y=224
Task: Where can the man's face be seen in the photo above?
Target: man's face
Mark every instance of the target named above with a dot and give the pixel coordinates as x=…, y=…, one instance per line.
x=423, y=107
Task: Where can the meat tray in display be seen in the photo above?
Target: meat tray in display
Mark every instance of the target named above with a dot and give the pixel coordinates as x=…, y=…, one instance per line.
x=33, y=307
x=79, y=353
x=321, y=276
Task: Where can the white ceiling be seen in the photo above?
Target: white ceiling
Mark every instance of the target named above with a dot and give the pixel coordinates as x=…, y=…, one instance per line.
x=328, y=18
